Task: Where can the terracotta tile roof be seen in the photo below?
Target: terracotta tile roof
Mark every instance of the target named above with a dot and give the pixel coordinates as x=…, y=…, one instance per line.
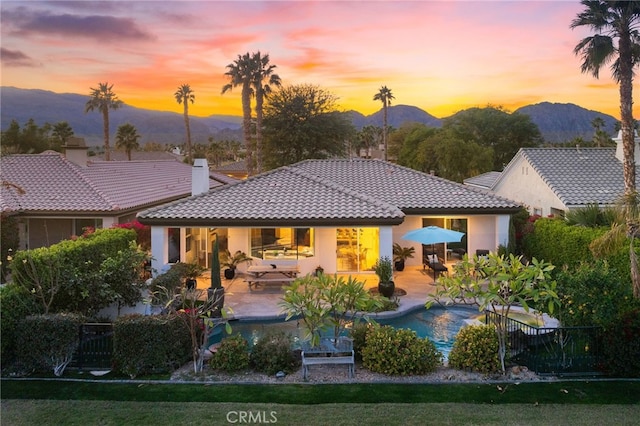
x=410, y=190
x=328, y=192
x=578, y=176
x=53, y=184
x=283, y=196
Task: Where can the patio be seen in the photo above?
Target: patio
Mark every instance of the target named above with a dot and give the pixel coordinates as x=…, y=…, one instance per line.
x=262, y=303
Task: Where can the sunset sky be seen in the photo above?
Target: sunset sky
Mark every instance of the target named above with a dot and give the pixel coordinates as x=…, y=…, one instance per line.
x=441, y=56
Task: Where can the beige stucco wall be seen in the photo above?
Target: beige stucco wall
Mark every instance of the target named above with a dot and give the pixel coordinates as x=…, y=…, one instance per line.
x=520, y=182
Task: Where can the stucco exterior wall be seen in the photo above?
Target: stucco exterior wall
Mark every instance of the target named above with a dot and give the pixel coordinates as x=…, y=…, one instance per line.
x=520, y=182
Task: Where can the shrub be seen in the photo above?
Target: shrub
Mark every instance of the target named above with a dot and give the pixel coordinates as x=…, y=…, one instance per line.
x=232, y=355
x=621, y=345
x=15, y=305
x=272, y=353
x=48, y=341
x=358, y=333
x=476, y=349
x=399, y=352
x=149, y=344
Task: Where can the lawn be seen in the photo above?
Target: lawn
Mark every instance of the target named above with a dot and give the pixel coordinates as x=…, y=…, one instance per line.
x=44, y=402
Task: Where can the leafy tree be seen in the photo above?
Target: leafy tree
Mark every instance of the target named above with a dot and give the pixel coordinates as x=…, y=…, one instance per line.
x=127, y=139
x=103, y=99
x=617, y=21
x=385, y=96
x=61, y=133
x=241, y=73
x=184, y=95
x=458, y=160
x=497, y=283
x=301, y=122
x=263, y=79
x=495, y=128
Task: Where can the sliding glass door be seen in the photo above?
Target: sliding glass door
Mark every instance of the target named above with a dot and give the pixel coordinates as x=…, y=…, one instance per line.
x=357, y=249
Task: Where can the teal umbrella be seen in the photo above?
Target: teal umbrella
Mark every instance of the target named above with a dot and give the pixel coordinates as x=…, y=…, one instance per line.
x=216, y=282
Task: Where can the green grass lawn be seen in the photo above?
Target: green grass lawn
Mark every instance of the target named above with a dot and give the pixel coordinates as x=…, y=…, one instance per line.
x=45, y=402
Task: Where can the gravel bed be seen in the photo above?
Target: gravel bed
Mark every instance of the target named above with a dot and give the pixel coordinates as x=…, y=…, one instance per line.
x=336, y=374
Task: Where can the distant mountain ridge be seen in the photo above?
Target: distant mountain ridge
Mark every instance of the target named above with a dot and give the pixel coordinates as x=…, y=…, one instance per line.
x=557, y=122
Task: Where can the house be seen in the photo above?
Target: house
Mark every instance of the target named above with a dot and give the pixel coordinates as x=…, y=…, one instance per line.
x=340, y=214
x=552, y=181
x=54, y=196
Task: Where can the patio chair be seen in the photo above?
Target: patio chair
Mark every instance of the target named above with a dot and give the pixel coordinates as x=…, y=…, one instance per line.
x=433, y=262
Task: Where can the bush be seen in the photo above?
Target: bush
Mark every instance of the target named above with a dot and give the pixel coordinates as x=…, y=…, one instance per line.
x=272, y=353
x=621, y=345
x=358, y=333
x=48, y=341
x=593, y=295
x=476, y=349
x=150, y=344
x=15, y=305
x=232, y=355
x=399, y=352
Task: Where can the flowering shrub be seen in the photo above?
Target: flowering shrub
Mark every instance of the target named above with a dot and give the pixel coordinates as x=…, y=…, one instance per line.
x=476, y=349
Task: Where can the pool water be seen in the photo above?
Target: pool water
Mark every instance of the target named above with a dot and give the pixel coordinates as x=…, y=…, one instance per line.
x=438, y=324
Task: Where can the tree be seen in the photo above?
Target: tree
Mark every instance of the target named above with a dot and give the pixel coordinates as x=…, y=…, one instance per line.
x=600, y=137
x=384, y=95
x=184, y=95
x=103, y=99
x=30, y=139
x=241, y=73
x=263, y=72
x=497, y=283
x=301, y=122
x=367, y=138
x=617, y=21
x=127, y=139
x=61, y=133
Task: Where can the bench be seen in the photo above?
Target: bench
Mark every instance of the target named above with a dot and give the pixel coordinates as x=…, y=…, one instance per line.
x=265, y=274
x=329, y=353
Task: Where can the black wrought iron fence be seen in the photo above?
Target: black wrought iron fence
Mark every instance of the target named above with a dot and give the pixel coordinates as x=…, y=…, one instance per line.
x=561, y=351
x=96, y=347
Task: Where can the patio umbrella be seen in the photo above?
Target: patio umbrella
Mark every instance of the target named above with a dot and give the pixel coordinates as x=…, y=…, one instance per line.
x=433, y=235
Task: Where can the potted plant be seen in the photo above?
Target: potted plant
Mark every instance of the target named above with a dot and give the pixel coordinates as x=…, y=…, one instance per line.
x=400, y=254
x=191, y=273
x=384, y=270
x=231, y=262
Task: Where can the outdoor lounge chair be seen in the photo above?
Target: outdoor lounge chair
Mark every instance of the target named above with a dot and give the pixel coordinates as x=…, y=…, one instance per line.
x=433, y=262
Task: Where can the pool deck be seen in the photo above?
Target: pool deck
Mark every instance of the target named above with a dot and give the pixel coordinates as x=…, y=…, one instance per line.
x=262, y=303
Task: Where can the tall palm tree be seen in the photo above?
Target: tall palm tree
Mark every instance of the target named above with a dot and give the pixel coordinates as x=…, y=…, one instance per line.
x=241, y=73
x=62, y=131
x=103, y=99
x=384, y=95
x=127, y=139
x=184, y=95
x=617, y=41
x=263, y=79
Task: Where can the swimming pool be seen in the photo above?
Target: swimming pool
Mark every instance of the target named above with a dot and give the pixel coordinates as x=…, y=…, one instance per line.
x=439, y=324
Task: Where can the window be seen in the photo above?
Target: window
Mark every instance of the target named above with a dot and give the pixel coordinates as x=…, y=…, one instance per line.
x=282, y=243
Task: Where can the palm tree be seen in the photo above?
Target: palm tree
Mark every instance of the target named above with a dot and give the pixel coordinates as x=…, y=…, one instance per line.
x=62, y=131
x=241, y=73
x=384, y=95
x=617, y=21
x=103, y=99
x=183, y=95
x=127, y=139
x=263, y=72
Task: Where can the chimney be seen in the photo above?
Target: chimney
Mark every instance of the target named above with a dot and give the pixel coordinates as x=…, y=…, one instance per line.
x=75, y=150
x=199, y=176
x=620, y=151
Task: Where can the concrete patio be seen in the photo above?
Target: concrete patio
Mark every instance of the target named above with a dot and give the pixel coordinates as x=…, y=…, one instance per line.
x=262, y=303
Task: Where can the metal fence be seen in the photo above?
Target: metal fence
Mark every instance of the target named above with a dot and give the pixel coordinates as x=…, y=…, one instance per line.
x=559, y=351
x=96, y=347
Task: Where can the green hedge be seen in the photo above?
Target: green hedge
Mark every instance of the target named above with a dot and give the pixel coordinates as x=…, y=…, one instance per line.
x=15, y=305
x=150, y=344
x=399, y=352
x=48, y=341
x=476, y=349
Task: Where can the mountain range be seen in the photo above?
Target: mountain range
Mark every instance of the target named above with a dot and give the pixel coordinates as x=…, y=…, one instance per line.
x=557, y=122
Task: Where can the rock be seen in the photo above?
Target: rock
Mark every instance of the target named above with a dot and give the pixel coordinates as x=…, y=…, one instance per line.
x=280, y=375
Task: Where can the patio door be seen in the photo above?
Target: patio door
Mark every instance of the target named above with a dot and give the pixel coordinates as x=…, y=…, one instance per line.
x=447, y=251
x=357, y=249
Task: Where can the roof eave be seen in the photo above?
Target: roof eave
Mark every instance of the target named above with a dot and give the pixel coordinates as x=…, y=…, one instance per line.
x=261, y=222
x=461, y=210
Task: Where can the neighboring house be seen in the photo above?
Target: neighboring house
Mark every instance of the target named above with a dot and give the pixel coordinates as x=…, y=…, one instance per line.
x=552, y=181
x=237, y=169
x=339, y=214
x=54, y=196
